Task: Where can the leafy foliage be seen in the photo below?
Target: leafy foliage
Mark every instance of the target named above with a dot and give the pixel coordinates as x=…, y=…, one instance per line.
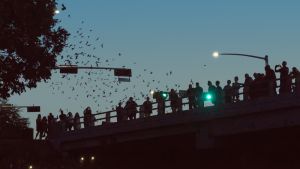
x=10, y=118
x=30, y=40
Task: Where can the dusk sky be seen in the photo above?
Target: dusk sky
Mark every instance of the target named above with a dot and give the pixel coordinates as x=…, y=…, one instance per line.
x=166, y=43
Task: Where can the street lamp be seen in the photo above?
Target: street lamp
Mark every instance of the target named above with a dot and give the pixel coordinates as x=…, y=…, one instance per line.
x=266, y=58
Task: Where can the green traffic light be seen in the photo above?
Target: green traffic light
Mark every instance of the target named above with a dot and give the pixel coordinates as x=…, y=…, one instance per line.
x=208, y=97
x=164, y=95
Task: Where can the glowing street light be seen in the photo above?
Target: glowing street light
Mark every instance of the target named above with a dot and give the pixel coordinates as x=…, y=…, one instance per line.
x=92, y=158
x=56, y=11
x=215, y=54
x=81, y=159
x=218, y=54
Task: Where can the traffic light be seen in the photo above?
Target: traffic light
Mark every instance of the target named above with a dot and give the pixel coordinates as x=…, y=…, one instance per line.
x=123, y=72
x=68, y=69
x=161, y=94
x=33, y=109
x=164, y=95
x=208, y=96
x=122, y=79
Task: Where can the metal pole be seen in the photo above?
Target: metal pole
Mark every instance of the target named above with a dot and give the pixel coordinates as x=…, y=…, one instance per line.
x=266, y=58
x=86, y=67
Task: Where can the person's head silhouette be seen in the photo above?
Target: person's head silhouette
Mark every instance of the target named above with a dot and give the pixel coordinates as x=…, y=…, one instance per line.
x=284, y=63
x=228, y=82
x=209, y=83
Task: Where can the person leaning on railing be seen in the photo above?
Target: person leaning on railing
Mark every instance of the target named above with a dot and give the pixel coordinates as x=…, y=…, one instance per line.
x=191, y=96
x=227, y=90
x=131, y=108
x=246, y=85
x=87, y=117
x=120, y=112
x=161, y=104
x=285, y=84
x=174, y=100
x=295, y=74
x=198, y=96
x=77, y=124
x=270, y=78
x=147, y=107
x=219, y=94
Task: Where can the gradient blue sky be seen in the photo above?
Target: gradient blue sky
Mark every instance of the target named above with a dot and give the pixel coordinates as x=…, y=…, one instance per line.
x=169, y=35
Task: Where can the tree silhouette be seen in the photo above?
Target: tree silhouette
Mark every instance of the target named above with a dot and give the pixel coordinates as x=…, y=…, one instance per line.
x=10, y=120
x=30, y=40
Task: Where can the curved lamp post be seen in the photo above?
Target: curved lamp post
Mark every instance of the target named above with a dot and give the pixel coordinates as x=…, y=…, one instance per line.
x=266, y=58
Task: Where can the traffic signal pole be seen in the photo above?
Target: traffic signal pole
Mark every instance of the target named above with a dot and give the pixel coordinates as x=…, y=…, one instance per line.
x=123, y=74
x=73, y=69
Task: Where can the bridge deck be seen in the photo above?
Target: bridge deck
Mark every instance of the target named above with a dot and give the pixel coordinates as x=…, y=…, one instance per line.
x=207, y=124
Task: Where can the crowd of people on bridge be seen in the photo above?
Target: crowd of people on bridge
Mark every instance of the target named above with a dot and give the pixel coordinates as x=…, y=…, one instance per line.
x=45, y=125
x=260, y=85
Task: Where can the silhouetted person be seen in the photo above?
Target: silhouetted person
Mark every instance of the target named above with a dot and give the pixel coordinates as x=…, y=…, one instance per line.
x=120, y=112
x=161, y=104
x=284, y=78
x=228, y=92
x=63, y=119
x=93, y=120
x=70, y=121
x=38, y=123
x=191, y=97
x=131, y=108
x=51, y=123
x=295, y=74
x=270, y=78
x=236, y=88
x=260, y=86
x=87, y=117
x=198, y=96
x=44, y=125
x=77, y=124
x=212, y=91
x=51, y=119
x=252, y=88
x=141, y=112
x=174, y=100
x=147, y=107
x=219, y=93
x=246, y=89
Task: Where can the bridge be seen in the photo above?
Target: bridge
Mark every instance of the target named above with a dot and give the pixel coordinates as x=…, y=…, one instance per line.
x=228, y=133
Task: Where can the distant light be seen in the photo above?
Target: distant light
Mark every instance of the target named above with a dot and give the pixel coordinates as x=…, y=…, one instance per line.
x=56, y=11
x=216, y=54
x=164, y=95
x=92, y=158
x=81, y=158
x=152, y=92
x=208, y=96
x=30, y=167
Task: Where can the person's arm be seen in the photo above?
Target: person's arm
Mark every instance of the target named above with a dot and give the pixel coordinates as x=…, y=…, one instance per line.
x=276, y=68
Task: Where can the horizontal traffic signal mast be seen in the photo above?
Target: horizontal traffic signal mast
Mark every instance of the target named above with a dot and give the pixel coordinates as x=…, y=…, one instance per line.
x=124, y=74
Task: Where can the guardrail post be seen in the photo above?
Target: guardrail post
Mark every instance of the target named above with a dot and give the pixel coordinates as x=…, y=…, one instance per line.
x=107, y=117
x=180, y=104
